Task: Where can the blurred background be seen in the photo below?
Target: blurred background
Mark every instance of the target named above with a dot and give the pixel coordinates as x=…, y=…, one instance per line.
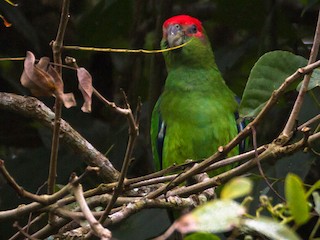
x=240, y=32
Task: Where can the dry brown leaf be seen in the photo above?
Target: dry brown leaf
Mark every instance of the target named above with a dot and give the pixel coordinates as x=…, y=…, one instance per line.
x=69, y=100
x=35, y=78
x=85, y=86
x=43, y=80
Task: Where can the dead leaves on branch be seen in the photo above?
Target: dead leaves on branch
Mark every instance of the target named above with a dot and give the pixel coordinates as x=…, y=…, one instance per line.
x=43, y=80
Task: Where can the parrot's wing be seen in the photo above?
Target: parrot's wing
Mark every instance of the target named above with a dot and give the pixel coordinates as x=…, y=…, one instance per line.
x=158, y=131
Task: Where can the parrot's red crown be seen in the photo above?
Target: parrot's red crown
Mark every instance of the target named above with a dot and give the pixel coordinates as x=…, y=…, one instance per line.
x=183, y=20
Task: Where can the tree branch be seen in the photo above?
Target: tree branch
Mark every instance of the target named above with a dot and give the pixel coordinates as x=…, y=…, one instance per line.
x=33, y=108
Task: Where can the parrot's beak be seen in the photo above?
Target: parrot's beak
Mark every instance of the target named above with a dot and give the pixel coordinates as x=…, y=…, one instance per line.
x=175, y=35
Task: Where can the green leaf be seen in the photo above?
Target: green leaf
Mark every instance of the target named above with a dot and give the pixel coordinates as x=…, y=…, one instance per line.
x=316, y=199
x=270, y=228
x=267, y=75
x=314, y=81
x=235, y=188
x=215, y=216
x=296, y=198
x=202, y=236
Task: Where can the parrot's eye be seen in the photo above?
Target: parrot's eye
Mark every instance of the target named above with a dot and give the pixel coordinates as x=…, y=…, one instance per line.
x=193, y=29
x=177, y=26
x=174, y=29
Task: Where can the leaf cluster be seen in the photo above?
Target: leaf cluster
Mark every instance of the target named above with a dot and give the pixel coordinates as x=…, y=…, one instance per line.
x=226, y=215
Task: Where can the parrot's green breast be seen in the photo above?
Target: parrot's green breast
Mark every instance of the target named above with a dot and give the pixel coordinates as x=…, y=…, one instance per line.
x=198, y=111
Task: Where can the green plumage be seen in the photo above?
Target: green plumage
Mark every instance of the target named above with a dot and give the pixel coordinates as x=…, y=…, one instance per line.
x=196, y=106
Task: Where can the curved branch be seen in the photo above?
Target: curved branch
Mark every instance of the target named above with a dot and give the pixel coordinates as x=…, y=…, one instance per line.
x=33, y=108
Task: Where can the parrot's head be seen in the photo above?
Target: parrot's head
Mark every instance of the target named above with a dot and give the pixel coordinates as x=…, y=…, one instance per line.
x=179, y=29
x=185, y=29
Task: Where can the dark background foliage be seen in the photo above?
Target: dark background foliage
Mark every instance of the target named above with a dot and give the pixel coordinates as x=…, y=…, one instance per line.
x=240, y=31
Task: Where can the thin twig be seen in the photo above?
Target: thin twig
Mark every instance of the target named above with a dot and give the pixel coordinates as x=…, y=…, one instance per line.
x=56, y=49
x=37, y=60
x=254, y=141
x=94, y=49
x=287, y=131
x=30, y=215
x=112, y=105
x=21, y=230
x=13, y=59
x=309, y=122
x=235, y=159
x=315, y=229
x=97, y=228
x=133, y=133
x=34, y=221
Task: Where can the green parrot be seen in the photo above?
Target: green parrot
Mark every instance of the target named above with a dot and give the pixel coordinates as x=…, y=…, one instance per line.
x=196, y=113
